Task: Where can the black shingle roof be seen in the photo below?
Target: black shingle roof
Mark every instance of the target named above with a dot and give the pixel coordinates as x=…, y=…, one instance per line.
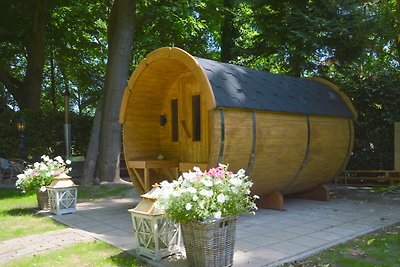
x=239, y=87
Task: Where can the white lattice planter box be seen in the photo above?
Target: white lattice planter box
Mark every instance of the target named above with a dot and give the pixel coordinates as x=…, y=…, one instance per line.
x=63, y=194
x=157, y=237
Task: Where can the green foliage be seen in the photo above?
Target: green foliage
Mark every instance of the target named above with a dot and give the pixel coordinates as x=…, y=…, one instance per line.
x=39, y=175
x=203, y=196
x=44, y=134
x=354, y=44
x=377, y=249
x=96, y=253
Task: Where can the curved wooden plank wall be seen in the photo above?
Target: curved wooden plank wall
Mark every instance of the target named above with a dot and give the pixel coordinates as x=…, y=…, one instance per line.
x=281, y=152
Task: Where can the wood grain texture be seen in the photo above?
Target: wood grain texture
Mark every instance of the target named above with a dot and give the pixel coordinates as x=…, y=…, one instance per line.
x=287, y=152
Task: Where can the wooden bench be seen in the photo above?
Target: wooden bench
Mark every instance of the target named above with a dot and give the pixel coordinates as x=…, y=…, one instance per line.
x=369, y=177
x=146, y=165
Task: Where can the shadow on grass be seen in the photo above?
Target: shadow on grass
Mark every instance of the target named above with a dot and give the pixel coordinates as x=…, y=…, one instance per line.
x=22, y=211
x=12, y=193
x=126, y=259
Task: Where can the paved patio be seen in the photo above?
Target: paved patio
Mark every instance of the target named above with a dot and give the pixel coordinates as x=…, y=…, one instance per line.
x=268, y=238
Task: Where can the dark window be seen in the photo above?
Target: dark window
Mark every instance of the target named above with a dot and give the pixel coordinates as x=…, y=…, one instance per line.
x=174, y=120
x=196, y=118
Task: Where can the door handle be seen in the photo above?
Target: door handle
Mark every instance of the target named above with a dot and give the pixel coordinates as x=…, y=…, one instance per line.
x=185, y=128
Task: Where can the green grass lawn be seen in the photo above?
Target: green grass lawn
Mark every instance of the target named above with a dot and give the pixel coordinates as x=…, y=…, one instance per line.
x=18, y=211
x=102, y=191
x=381, y=248
x=94, y=253
x=18, y=215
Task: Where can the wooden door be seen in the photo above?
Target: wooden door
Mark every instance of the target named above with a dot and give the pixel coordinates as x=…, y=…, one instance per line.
x=192, y=139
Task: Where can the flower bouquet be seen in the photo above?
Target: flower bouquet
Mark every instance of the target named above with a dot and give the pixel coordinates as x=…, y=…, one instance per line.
x=37, y=176
x=207, y=205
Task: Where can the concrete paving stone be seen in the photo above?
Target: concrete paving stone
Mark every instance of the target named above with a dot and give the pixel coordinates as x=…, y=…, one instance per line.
x=282, y=235
x=262, y=239
x=265, y=239
x=125, y=226
x=300, y=230
x=316, y=226
x=256, y=229
x=268, y=255
x=324, y=235
x=372, y=221
x=117, y=233
x=255, y=221
x=287, y=222
x=329, y=222
x=342, y=231
x=355, y=225
x=104, y=228
x=308, y=241
x=244, y=245
x=273, y=226
x=114, y=221
x=240, y=233
x=88, y=225
x=243, y=260
x=289, y=248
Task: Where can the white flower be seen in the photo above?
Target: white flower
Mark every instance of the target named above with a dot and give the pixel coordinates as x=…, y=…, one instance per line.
x=192, y=190
x=249, y=183
x=201, y=204
x=21, y=176
x=45, y=158
x=197, y=169
x=189, y=175
x=43, y=167
x=176, y=193
x=206, y=193
x=221, y=198
x=68, y=162
x=198, y=195
x=207, y=182
x=256, y=197
x=42, y=189
x=218, y=182
x=223, y=166
x=217, y=215
x=59, y=159
x=235, y=181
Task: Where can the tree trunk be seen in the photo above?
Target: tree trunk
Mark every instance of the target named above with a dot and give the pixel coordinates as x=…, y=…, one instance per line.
x=229, y=32
x=27, y=92
x=121, y=32
x=88, y=175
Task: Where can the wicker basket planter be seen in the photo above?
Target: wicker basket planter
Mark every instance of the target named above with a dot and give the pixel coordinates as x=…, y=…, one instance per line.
x=43, y=200
x=210, y=244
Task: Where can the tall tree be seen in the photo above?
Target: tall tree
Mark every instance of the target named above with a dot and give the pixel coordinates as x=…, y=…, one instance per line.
x=121, y=30
x=229, y=33
x=25, y=86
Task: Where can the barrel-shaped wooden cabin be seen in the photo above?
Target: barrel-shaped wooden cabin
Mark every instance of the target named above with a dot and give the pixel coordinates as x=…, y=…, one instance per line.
x=290, y=134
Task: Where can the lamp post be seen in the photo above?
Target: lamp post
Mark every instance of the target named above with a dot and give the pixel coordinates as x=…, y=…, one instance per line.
x=67, y=125
x=21, y=130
